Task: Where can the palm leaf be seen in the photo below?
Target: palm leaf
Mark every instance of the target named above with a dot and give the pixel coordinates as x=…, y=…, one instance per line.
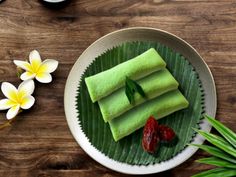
x=228, y=134
x=218, y=142
x=217, y=162
x=216, y=152
x=217, y=172
x=129, y=149
x=220, y=158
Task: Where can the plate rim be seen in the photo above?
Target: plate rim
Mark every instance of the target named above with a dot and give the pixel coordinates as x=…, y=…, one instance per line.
x=82, y=140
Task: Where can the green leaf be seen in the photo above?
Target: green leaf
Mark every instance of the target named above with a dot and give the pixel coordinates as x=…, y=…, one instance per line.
x=218, y=142
x=216, y=152
x=228, y=134
x=19, y=71
x=129, y=93
x=129, y=150
x=217, y=162
x=139, y=89
x=217, y=172
x=131, y=87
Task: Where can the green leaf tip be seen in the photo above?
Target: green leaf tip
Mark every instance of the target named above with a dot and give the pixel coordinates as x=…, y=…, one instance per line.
x=195, y=129
x=131, y=87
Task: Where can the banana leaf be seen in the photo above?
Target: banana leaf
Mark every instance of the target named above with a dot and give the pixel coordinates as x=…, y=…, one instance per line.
x=129, y=149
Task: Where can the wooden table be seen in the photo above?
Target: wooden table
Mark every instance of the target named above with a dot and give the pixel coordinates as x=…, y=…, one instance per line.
x=39, y=142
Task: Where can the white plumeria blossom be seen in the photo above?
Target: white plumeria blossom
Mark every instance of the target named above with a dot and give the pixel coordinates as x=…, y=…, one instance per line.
x=17, y=98
x=37, y=69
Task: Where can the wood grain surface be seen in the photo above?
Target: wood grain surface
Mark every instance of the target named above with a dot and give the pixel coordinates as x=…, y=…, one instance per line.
x=39, y=143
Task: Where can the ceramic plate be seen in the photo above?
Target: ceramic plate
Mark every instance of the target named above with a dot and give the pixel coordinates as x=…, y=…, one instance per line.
x=114, y=39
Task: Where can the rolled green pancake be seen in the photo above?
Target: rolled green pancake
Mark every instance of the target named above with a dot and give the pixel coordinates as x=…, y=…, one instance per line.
x=106, y=82
x=136, y=118
x=153, y=85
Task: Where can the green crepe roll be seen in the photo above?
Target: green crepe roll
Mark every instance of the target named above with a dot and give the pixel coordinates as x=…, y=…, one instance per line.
x=136, y=118
x=106, y=82
x=153, y=85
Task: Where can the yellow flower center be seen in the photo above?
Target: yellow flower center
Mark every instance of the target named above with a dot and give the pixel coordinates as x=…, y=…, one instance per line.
x=36, y=67
x=17, y=97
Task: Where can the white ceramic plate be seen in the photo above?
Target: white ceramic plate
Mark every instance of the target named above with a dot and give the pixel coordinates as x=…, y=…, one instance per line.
x=127, y=35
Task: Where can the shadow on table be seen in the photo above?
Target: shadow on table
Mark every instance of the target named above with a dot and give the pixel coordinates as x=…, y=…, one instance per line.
x=59, y=5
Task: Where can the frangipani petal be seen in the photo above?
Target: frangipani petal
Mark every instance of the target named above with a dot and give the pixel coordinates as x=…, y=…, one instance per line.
x=27, y=75
x=48, y=66
x=23, y=64
x=35, y=60
x=26, y=88
x=11, y=113
x=27, y=102
x=6, y=104
x=9, y=91
x=44, y=77
x=34, y=56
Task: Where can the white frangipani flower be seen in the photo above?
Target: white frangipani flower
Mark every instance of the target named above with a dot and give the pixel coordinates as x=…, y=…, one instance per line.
x=37, y=69
x=17, y=99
